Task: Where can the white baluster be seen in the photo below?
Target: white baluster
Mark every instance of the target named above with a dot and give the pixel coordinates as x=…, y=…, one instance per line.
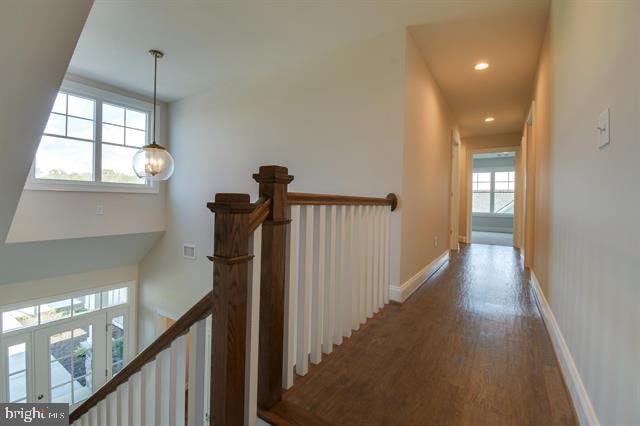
x=149, y=380
x=123, y=404
x=380, y=263
x=369, y=263
x=377, y=259
x=362, y=251
x=319, y=277
x=197, y=362
x=330, y=299
x=163, y=387
x=253, y=337
x=304, y=291
x=136, y=395
x=387, y=217
x=291, y=298
x=341, y=300
x=98, y=414
x=178, y=380
x=112, y=406
x=103, y=413
x=354, y=265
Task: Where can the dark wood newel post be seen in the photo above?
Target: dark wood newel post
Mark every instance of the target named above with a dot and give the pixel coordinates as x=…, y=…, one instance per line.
x=229, y=301
x=273, y=182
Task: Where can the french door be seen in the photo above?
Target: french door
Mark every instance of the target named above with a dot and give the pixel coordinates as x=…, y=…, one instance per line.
x=70, y=360
x=66, y=361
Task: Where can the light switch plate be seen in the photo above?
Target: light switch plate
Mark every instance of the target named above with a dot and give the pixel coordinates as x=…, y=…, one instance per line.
x=604, y=137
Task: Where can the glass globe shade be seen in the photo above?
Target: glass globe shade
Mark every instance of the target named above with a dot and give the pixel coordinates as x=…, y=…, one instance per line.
x=153, y=162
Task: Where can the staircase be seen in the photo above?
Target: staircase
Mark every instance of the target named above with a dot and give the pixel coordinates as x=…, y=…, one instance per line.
x=293, y=275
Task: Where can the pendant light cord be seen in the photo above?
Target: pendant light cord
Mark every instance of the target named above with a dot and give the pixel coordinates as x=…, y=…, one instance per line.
x=155, y=81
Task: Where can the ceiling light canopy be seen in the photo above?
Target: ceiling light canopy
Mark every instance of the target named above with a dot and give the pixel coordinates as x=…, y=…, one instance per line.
x=481, y=66
x=489, y=119
x=153, y=161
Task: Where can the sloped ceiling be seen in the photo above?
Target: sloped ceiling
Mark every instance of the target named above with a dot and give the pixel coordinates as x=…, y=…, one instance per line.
x=36, y=44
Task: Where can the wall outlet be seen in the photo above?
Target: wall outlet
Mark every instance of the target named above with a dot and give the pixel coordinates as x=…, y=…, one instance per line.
x=189, y=251
x=99, y=210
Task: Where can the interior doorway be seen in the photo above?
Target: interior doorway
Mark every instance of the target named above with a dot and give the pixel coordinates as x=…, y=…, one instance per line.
x=493, y=197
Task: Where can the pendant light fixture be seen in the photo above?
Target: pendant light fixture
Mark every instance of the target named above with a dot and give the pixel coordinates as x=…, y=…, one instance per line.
x=153, y=161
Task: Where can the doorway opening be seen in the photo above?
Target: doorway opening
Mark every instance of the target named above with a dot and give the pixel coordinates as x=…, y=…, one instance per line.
x=493, y=198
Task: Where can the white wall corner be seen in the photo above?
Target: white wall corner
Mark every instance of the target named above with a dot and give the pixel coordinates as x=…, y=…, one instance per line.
x=402, y=292
x=581, y=401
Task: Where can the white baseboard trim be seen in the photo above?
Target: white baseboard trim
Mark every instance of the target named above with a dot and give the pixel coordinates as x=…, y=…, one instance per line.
x=581, y=401
x=402, y=293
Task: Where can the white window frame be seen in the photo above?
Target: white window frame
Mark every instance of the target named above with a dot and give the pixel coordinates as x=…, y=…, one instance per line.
x=99, y=96
x=128, y=309
x=492, y=190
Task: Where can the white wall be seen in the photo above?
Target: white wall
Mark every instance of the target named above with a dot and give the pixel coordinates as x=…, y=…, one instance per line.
x=588, y=200
x=336, y=122
x=426, y=167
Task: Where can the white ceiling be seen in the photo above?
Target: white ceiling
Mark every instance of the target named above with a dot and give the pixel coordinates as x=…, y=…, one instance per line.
x=213, y=43
x=509, y=39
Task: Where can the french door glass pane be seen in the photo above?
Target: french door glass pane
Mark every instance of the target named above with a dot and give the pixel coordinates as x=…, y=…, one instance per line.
x=71, y=356
x=117, y=343
x=17, y=372
x=64, y=159
x=17, y=386
x=17, y=358
x=61, y=393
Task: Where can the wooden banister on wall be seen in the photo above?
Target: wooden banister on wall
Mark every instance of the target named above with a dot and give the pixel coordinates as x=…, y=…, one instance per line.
x=252, y=307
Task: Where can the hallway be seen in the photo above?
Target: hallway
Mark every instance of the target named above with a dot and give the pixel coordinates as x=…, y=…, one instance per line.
x=469, y=347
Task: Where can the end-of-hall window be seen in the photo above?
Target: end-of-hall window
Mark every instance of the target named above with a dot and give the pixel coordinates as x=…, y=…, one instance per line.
x=90, y=140
x=493, y=192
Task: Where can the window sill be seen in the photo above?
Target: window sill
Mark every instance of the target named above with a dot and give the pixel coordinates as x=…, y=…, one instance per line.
x=70, y=186
x=504, y=215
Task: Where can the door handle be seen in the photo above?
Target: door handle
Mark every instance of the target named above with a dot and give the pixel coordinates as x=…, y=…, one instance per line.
x=40, y=397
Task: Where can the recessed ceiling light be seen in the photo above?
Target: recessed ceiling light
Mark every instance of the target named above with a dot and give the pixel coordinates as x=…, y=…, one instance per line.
x=489, y=119
x=481, y=66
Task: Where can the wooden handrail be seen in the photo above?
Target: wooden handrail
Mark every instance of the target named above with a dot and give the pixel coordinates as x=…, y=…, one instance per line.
x=301, y=198
x=263, y=207
x=197, y=312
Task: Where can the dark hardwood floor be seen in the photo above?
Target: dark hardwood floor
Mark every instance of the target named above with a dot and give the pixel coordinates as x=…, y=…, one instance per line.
x=469, y=347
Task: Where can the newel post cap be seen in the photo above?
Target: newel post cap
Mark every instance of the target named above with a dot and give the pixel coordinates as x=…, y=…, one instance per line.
x=231, y=203
x=273, y=174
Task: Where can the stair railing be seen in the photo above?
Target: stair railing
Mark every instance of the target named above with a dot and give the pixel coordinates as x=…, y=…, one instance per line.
x=293, y=274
